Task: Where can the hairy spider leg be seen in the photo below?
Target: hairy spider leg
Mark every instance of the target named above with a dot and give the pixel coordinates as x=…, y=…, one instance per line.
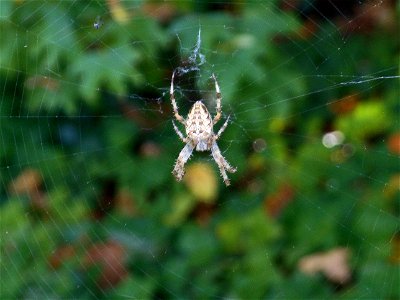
x=222, y=163
x=174, y=106
x=222, y=129
x=219, y=98
x=179, y=133
x=184, y=155
x=227, y=166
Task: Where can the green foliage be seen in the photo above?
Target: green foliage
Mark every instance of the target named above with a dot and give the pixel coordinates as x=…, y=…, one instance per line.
x=88, y=206
x=368, y=119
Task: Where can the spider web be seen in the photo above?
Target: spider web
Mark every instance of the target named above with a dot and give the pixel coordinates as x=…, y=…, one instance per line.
x=89, y=208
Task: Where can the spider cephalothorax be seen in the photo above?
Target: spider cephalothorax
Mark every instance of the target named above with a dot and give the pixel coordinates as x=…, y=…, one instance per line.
x=199, y=134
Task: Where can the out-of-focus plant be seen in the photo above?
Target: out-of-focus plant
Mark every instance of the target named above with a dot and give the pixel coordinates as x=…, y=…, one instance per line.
x=89, y=208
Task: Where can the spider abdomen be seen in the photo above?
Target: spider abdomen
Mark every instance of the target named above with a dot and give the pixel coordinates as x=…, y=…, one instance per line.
x=199, y=126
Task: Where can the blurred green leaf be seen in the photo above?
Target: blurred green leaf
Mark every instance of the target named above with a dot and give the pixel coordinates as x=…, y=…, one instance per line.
x=368, y=119
x=108, y=68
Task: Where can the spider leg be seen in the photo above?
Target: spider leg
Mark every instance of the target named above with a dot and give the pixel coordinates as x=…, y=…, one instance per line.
x=219, y=98
x=227, y=166
x=222, y=163
x=184, y=155
x=179, y=133
x=174, y=106
x=221, y=130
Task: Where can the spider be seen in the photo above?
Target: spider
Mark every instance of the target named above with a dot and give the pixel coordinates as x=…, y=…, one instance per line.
x=199, y=134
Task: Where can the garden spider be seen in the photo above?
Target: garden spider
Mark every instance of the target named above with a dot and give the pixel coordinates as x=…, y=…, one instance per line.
x=199, y=134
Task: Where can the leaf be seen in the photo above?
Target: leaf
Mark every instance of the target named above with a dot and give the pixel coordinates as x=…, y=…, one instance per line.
x=108, y=68
x=368, y=119
x=28, y=182
x=60, y=255
x=118, y=12
x=201, y=182
x=394, y=143
x=276, y=202
x=110, y=257
x=334, y=264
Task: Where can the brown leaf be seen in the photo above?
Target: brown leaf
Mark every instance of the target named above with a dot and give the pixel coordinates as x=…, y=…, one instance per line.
x=308, y=30
x=276, y=202
x=289, y=5
x=393, y=186
x=370, y=15
x=150, y=149
x=163, y=12
x=43, y=82
x=125, y=204
x=110, y=256
x=60, y=255
x=39, y=202
x=333, y=264
x=394, y=143
x=204, y=212
x=27, y=183
x=395, y=256
x=344, y=105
